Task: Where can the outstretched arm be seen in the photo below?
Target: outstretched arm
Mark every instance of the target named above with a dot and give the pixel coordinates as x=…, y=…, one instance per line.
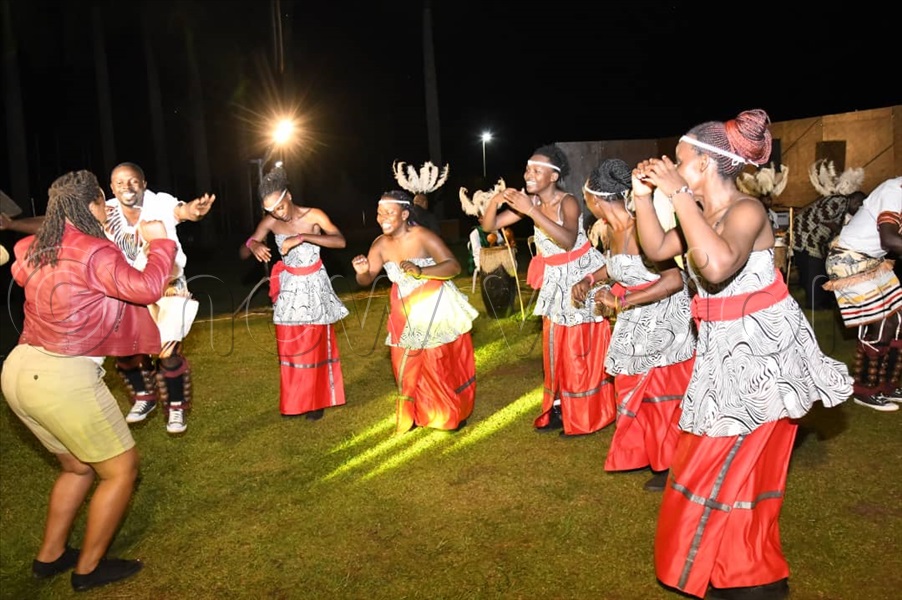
x=195, y=210
x=28, y=225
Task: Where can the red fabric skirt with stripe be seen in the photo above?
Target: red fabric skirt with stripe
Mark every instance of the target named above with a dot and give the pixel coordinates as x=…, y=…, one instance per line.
x=436, y=386
x=648, y=417
x=573, y=359
x=718, y=522
x=309, y=368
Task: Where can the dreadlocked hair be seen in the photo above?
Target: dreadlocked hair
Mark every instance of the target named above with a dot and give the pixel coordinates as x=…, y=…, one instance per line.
x=556, y=157
x=70, y=197
x=746, y=135
x=612, y=176
x=274, y=181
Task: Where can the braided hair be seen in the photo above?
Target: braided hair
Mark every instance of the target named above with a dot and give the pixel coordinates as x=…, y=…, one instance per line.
x=746, y=135
x=274, y=181
x=556, y=157
x=612, y=176
x=70, y=198
x=416, y=212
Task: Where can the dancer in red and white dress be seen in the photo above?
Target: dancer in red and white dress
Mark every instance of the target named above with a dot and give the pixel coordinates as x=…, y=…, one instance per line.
x=758, y=366
x=430, y=320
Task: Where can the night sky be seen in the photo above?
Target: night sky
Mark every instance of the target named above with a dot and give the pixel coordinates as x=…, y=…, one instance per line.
x=531, y=73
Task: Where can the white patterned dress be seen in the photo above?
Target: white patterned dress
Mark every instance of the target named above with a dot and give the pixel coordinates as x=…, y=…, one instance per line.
x=760, y=368
x=650, y=335
x=574, y=342
x=432, y=323
x=304, y=314
x=554, y=300
x=431, y=350
x=305, y=299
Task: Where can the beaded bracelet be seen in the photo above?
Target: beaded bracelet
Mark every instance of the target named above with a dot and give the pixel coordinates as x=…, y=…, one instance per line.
x=683, y=190
x=247, y=244
x=621, y=300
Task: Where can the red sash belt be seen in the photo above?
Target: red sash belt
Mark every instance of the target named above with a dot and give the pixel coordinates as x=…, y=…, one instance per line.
x=731, y=308
x=275, y=284
x=536, y=271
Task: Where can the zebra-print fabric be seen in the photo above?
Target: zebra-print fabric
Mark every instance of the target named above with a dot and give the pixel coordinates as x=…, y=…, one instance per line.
x=554, y=300
x=760, y=368
x=306, y=299
x=651, y=335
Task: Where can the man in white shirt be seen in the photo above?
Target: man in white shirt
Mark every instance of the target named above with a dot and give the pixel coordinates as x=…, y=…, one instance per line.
x=169, y=380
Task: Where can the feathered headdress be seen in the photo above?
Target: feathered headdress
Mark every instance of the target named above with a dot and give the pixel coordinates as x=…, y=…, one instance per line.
x=764, y=182
x=823, y=177
x=429, y=178
x=476, y=206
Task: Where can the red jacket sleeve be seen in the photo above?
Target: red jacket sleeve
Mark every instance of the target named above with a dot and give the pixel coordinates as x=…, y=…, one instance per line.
x=110, y=273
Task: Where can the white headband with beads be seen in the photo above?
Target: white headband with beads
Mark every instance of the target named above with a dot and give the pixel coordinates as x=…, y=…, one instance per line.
x=591, y=191
x=735, y=158
x=539, y=163
x=278, y=202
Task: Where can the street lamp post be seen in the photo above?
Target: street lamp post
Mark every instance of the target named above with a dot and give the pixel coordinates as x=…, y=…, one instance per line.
x=486, y=137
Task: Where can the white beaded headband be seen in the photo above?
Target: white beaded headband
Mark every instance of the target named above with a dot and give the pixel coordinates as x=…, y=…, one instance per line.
x=737, y=160
x=591, y=191
x=278, y=202
x=540, y=163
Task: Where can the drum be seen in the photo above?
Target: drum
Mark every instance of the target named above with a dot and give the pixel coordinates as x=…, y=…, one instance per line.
x=498, y=281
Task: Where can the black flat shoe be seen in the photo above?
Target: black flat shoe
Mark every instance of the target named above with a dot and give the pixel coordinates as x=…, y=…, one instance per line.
x=778, y=590
x=66, y=561
x=314, y=415
x=555, y=420
x=657, y=483
x=108, y=570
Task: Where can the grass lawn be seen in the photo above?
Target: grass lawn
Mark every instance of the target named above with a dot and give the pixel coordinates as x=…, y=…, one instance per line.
x=248, y=504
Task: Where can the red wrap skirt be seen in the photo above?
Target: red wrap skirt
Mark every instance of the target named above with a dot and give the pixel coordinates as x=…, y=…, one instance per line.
x=309, y=368
x=648, y=417
x=574, y=373
x=718, y=522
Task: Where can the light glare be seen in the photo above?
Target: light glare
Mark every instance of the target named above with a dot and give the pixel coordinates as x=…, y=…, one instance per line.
x=283, y=131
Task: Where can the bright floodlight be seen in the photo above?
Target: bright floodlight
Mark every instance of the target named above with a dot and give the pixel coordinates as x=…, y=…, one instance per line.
x=283, y=131
x=486, y=137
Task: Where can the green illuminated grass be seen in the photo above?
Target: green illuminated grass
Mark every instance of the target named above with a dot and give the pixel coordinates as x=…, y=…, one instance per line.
x=249, y=504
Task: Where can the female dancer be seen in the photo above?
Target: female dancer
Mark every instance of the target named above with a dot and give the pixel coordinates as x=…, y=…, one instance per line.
x=306, y=307
x=430, y=320
x=578, y=395
x=758, y=365
x=653, y=341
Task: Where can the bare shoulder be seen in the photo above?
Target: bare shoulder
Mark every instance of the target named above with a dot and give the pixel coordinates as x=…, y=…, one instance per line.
x=747, y=206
